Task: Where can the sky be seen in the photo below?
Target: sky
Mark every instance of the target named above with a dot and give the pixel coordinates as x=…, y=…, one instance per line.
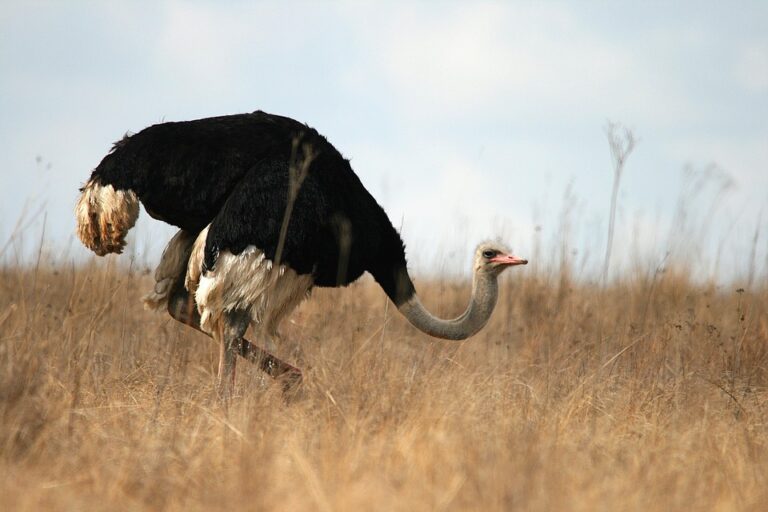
x=466, y=120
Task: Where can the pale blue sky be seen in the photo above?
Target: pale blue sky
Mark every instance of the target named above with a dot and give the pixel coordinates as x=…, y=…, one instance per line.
x=466, y=120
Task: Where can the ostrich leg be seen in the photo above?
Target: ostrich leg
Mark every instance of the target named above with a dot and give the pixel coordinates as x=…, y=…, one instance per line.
x=229, y=334
x=181, y=306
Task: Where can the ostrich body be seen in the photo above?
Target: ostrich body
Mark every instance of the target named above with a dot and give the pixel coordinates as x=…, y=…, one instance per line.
x=255, y=236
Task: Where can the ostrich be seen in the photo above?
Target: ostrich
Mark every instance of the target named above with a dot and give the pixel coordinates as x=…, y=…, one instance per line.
x=266, y=209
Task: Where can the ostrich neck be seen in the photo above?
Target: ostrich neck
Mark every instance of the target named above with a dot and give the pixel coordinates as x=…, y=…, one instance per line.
x=484, y=294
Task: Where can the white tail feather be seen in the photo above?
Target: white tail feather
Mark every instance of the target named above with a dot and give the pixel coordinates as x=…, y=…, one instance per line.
x=104, y=216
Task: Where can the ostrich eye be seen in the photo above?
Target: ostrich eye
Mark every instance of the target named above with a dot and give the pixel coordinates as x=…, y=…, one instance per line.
x=489, y=254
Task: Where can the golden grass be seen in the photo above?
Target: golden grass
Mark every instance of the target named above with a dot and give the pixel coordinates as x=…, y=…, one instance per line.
x=650, y=395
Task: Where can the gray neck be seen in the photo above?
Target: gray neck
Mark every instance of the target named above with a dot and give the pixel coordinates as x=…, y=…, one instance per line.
x=485, y=291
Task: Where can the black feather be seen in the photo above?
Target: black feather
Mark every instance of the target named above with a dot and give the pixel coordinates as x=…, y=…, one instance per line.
x=232, y=172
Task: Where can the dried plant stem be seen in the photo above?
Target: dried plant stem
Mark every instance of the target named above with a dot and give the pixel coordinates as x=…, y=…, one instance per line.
x=298, y=168
x=621, y=142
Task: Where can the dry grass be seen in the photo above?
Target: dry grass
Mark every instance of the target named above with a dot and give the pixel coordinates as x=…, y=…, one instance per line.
x=650, y=395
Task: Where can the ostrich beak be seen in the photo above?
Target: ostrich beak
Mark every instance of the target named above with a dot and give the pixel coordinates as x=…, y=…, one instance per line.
x=509, y=259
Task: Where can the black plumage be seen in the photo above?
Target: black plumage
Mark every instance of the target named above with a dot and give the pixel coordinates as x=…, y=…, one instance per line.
x=232, y=172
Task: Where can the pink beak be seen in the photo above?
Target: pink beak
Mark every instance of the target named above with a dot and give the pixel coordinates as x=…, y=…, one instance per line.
x=508, y=259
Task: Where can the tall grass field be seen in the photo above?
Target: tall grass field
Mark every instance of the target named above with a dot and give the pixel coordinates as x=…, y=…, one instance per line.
x=646, y=393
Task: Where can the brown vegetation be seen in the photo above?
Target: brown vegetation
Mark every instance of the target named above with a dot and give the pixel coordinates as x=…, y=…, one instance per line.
x=648, y=395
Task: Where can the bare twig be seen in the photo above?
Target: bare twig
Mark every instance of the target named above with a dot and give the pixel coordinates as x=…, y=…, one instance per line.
x=621, y=141
x=298, y=168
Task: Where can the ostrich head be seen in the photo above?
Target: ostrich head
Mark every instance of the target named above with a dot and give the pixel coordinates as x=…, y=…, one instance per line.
x=493, y=258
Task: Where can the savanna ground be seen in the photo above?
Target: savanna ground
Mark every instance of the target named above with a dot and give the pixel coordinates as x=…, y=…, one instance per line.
x=649, y=394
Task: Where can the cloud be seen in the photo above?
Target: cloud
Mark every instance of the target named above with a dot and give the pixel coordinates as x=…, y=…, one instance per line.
x=752, y=67
x=206, y=47
x=522, y=60
x=545, y=62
